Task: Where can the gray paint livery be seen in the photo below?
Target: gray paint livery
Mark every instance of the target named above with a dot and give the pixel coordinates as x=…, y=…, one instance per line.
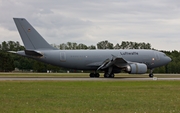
x=134, y=61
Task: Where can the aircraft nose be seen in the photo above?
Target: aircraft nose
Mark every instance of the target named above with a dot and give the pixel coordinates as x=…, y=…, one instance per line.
x=169, y=59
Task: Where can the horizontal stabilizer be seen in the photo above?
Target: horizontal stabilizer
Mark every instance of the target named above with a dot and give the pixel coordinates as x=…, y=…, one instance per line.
x=14, y=52
x=33, y=53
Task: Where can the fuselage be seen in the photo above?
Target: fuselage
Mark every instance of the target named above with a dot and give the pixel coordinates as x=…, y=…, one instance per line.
x=92, y=59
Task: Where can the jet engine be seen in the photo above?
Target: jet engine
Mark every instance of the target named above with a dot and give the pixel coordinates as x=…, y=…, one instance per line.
x=136, y=68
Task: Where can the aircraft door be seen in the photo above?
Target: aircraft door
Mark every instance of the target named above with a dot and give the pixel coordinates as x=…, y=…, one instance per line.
x=62, y=56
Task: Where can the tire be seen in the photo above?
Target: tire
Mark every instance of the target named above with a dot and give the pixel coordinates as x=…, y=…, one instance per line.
x=106, y=75
x=97, y=75
x=92, y=75
x=151, y=75
x=112, y=75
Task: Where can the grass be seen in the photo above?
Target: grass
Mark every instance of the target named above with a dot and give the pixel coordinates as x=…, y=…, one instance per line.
x=89, y=96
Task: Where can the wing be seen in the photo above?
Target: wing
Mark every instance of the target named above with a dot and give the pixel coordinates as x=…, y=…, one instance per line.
x=116, y=61
x=120, y=63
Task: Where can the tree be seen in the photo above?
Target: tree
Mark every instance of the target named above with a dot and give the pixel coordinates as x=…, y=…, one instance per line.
x=105, y=45
x=4, y=46
x=52, y=68
x=134, y=45
x=117, y=46
x=63, y=46
x=69, y=45
x=81, y=46
x=39, y=67
x=92, y=47
x=124, y=45
x=6, y=62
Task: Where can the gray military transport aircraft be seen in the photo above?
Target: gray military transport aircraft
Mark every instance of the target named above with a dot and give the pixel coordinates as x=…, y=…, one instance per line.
x=132, y=61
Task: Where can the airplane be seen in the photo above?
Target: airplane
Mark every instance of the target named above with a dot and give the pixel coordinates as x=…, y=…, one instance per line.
x=132, y=61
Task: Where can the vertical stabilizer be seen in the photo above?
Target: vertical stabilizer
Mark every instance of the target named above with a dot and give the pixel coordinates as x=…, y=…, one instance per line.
x=31, y=38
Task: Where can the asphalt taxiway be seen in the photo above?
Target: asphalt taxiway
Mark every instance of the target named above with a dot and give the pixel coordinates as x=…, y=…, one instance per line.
x=80, y=79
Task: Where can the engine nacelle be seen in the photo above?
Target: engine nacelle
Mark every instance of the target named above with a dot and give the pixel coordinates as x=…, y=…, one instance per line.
x=136, y=68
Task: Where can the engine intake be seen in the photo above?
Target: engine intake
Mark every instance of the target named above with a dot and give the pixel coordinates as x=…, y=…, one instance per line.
x=136, y=68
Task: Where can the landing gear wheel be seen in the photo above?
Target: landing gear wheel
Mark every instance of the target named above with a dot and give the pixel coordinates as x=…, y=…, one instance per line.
x=151, y=75
x=111, y=75
x=106, y=75
x=97, y=75
x=92, y=75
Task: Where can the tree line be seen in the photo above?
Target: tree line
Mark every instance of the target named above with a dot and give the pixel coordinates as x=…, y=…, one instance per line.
x=9, y=61
x=104, y=45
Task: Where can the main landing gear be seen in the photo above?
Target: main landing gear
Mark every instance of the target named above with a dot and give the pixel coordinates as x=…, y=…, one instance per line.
x=151, y=75
x=94, y=74
x=107, y=75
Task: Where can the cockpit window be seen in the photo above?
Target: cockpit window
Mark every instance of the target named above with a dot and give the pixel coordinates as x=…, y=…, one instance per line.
x=157, y=56
x=164, y=55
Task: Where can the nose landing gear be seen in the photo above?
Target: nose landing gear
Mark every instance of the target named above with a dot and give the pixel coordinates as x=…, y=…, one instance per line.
x=151, y=75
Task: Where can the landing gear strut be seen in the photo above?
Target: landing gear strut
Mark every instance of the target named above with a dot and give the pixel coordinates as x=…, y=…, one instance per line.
x=108, y=73
x=151, y=75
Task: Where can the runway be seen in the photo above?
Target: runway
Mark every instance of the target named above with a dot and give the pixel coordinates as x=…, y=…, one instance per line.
x=81, y=79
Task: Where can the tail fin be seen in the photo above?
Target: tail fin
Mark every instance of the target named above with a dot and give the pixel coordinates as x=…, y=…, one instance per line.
x=31, y=38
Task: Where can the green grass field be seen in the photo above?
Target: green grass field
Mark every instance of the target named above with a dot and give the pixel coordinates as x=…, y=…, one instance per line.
x=90, y=96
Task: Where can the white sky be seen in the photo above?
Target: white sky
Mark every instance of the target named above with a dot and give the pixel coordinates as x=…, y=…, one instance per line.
x=90, y=21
